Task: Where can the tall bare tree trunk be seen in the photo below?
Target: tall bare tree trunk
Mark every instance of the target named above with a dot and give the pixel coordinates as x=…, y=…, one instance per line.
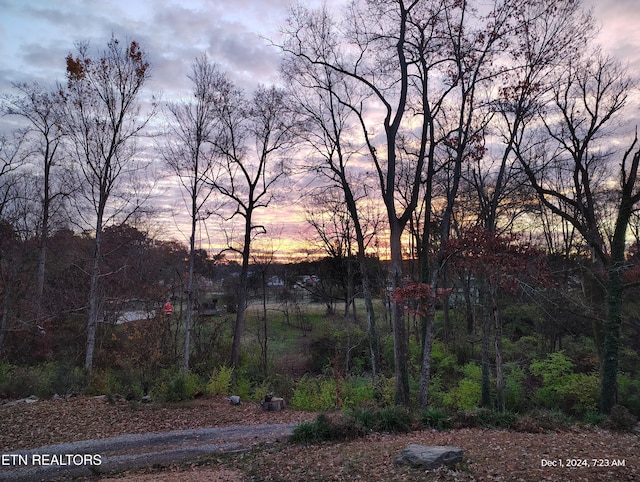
x=190, y=284
x=400, y=342
x=94, y=299
x=238, y=328
x=500, y=384
x=44, y=234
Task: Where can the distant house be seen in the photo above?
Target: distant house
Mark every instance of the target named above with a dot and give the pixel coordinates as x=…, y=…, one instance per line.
x=275, y=282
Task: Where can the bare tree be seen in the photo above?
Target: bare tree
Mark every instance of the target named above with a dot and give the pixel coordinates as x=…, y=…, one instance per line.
x=12, y=156
x=571, y=173
x=262, y=260
x=252, y=139
x=189, y=153
x=324, y=97
x=549, y=34
x=103, y=119
x=42, y=109
x=372, y=49
x=336, y=235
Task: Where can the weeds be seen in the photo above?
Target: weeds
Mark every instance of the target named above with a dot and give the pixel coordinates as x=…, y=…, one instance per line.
x=436, y=418
x=178, y=387
x=220, y=381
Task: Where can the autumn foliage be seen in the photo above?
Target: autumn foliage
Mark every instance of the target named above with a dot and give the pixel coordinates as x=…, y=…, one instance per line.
x=503, y=259
x=417, y=296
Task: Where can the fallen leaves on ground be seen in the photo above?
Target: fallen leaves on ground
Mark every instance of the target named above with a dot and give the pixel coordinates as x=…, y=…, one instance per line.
x=31, y=425
x=489, y=455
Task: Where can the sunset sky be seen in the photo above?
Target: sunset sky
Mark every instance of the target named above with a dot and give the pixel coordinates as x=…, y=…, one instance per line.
x=36, y=35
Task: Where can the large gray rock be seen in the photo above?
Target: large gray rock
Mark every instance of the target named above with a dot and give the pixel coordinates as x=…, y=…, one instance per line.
x=428, y=457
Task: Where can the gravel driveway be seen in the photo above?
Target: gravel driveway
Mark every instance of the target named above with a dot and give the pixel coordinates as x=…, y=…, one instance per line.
x=125, y=452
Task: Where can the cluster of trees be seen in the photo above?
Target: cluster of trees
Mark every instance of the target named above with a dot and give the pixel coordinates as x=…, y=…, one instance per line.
x=473, y=128
x=501, y=116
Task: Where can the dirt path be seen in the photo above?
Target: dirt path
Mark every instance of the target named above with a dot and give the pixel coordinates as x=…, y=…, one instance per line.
x=127, y=452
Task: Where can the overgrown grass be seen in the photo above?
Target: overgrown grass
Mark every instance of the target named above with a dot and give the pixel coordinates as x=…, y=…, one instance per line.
x=42, y=380
x=315, y=394
x=328, y=426
x=436, y=418
x=178, y=387
x=550, y=382
x=348, y=424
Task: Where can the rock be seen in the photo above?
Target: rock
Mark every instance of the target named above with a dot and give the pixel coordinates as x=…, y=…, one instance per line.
x=234, y=399
x=146, y=399
x=31, y=399
x=428, y=457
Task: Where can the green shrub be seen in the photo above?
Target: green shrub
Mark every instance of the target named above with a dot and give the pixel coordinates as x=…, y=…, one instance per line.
x=178, y=387
x=394, y=419
x=357, y=391
x=575, y=393
x=6, y=388
x=220, y=381
x=527, y=347
x=483, y=417
x=505, y=419
x=103, y=381
x=260, y=390
x=367, y=418
x=385, y=391
x=467, y=393
x=580, y=393
x=242, y=387
x=19, y=381
x=327, y=426
x=192, y=385
x=594, y=418
x=443, y=361
x=515, y=398
x=629, y=392
x=436, y=394
x=309, y=433
x=43, y=380
x=435, y=418
x=314, y=394
x=554, y=371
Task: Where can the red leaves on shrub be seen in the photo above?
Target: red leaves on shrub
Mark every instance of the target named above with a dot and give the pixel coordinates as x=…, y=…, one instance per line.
x=501, y=258
x=420, y=294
